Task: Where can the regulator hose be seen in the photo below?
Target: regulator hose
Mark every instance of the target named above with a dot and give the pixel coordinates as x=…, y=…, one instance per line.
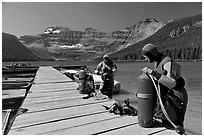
x=178, y=129
x=89, y=71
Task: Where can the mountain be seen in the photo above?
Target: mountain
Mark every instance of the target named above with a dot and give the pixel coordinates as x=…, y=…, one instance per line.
x=64, y=43
x=180, y=39
x=13, y=50
x=29, y=39
x=142, y=30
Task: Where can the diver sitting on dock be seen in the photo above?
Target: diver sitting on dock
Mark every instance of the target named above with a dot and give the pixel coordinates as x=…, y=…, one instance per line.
x=173, y=93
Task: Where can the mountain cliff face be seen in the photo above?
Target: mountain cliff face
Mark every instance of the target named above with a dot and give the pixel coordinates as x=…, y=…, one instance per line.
x=142, y=30
x=179, y=38
x=64, y=43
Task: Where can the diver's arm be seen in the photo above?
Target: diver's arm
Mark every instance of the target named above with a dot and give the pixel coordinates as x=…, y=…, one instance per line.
x=98, y=69
x=166, y=79
x=114, y=69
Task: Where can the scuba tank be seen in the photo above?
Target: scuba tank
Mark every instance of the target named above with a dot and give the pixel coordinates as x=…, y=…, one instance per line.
x=145, y=101
x=82, y=77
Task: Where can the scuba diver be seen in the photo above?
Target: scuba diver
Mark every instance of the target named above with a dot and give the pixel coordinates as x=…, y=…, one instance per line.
x=172, y=91
x=106, y=69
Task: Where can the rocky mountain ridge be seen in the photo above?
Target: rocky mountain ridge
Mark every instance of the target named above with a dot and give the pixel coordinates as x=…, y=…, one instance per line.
x=180, y=38
x=60, y=42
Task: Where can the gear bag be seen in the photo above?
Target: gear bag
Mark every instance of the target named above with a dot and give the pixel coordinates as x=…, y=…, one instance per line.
x=172, y=104
x=89, y=85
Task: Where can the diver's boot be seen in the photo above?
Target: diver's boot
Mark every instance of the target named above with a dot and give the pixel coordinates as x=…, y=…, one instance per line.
x=100, y=96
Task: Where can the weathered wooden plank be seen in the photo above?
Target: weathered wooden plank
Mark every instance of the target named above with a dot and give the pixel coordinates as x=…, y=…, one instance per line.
x=45, y=74
x=164, y=132
x=102, y=127
x=44, y=87
x=55, y=82
x=5, y=119
x=48, y=70
x=17, y=79
x=51, y=93
x=20, y=75
x=66, y=123
x=29, y=119
x=69, y=102
x=98, y=127
x=138, y=130
x=65, y=96
x=8, y=86
x=13, y=93
x=53, y=78
x=51, y=90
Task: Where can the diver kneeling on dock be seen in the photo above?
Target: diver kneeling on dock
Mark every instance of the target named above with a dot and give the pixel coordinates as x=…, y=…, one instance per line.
x=173, y=95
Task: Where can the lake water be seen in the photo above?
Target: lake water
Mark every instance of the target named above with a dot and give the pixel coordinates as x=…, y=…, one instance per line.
x=128, y=73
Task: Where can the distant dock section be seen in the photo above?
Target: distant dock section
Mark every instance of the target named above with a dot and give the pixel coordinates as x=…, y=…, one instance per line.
x=55, y=107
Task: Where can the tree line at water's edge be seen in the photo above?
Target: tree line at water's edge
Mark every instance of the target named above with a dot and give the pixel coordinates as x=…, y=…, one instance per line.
x=189, y=53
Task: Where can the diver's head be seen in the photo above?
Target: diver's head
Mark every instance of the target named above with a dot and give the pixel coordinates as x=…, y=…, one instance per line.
x=106, y=58
x=150, y=52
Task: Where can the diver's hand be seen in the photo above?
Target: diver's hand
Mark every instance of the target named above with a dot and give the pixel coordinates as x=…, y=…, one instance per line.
x=98, y=72
x=105, y=74
x=147, y=70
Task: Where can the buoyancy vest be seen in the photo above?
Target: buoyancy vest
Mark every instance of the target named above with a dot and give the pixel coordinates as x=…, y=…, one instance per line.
x=160, y=68
x=175, y=73
x=106, y=68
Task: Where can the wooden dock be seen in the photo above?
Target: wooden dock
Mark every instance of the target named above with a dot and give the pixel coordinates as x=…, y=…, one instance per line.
x=55, y=107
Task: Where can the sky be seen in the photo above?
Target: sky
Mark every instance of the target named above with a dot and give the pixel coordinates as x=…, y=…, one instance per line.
x=32, y=18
